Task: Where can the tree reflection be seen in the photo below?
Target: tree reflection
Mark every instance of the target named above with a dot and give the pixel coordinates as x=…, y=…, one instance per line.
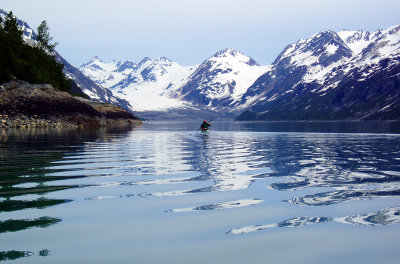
x=27, y=158
x=18, y=225
x=13, y=255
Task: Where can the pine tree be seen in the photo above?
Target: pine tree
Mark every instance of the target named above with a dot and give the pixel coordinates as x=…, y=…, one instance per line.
x=43, y=38
x=11, y=27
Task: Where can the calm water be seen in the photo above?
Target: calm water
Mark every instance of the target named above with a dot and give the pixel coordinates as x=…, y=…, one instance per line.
x=166, y=193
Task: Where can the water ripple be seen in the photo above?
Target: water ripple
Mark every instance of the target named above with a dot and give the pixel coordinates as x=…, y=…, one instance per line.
x=294, y=222
x=111, y=197
x=219, y=171
x=328, y=198
x=387, y=216
x=219, y=206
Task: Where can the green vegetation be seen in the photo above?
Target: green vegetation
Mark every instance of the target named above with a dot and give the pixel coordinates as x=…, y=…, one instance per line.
x=33, y=64
x=43, y=38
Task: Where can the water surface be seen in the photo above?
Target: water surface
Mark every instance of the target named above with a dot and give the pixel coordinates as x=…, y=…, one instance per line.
x=166, y=193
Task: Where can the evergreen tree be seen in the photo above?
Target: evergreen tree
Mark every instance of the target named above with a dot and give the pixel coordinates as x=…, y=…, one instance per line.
x=27, y=63
x=43, y=38
x=12, y=29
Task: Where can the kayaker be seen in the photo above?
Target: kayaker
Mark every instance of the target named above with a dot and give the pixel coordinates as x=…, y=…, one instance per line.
x=205, y=125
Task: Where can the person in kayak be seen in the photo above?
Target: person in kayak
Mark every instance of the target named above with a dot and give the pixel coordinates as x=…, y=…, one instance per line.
x=205, y=125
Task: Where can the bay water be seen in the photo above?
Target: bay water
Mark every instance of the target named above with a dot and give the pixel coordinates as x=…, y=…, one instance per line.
x=165, y=192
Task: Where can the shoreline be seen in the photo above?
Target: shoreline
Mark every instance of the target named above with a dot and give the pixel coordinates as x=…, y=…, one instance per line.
x=24, y=105
x=33, y=122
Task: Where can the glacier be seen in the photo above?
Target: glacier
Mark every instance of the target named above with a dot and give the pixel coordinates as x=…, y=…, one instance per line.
x=327, y=74
x=230, y=81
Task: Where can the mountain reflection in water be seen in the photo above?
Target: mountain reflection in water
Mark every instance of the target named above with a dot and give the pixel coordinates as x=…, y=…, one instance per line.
x=150, y=182
x=385, y=216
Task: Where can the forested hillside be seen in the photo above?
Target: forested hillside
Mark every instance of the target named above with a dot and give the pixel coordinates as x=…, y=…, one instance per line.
x=31, y=62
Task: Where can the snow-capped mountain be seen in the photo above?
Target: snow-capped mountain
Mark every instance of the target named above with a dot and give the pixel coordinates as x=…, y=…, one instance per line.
x=305, y=61
x=358, y=40
x=161, y=84
x=221, y=80
x=331, y=75
x=82, y=83
x=90, y=88
x=147, y=85
x=344, y=75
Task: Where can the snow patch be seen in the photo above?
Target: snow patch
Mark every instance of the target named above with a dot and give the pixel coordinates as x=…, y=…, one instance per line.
x=331, y=49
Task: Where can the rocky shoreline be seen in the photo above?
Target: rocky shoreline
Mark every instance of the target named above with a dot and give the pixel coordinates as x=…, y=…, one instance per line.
x=24, y=105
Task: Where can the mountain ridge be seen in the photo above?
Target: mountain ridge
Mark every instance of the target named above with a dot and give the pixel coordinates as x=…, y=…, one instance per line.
x=362, y=86
x=313, y=78
x=225, y=74
x=230, y=82
x=316, y=67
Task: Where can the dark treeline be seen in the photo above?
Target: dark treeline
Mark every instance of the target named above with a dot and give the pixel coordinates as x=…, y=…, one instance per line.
x=33, y=63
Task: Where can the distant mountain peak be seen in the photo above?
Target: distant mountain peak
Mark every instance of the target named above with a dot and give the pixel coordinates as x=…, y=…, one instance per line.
x=394, y=29
x=162, y=59
x=95, y=58
x=231, y=54
x=323, y=38
x=145, y=59
x=231, y=81
x=226, y=52
x=323, y=48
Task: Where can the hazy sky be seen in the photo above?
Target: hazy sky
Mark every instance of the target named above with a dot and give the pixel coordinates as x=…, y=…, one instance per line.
x=190, y=31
